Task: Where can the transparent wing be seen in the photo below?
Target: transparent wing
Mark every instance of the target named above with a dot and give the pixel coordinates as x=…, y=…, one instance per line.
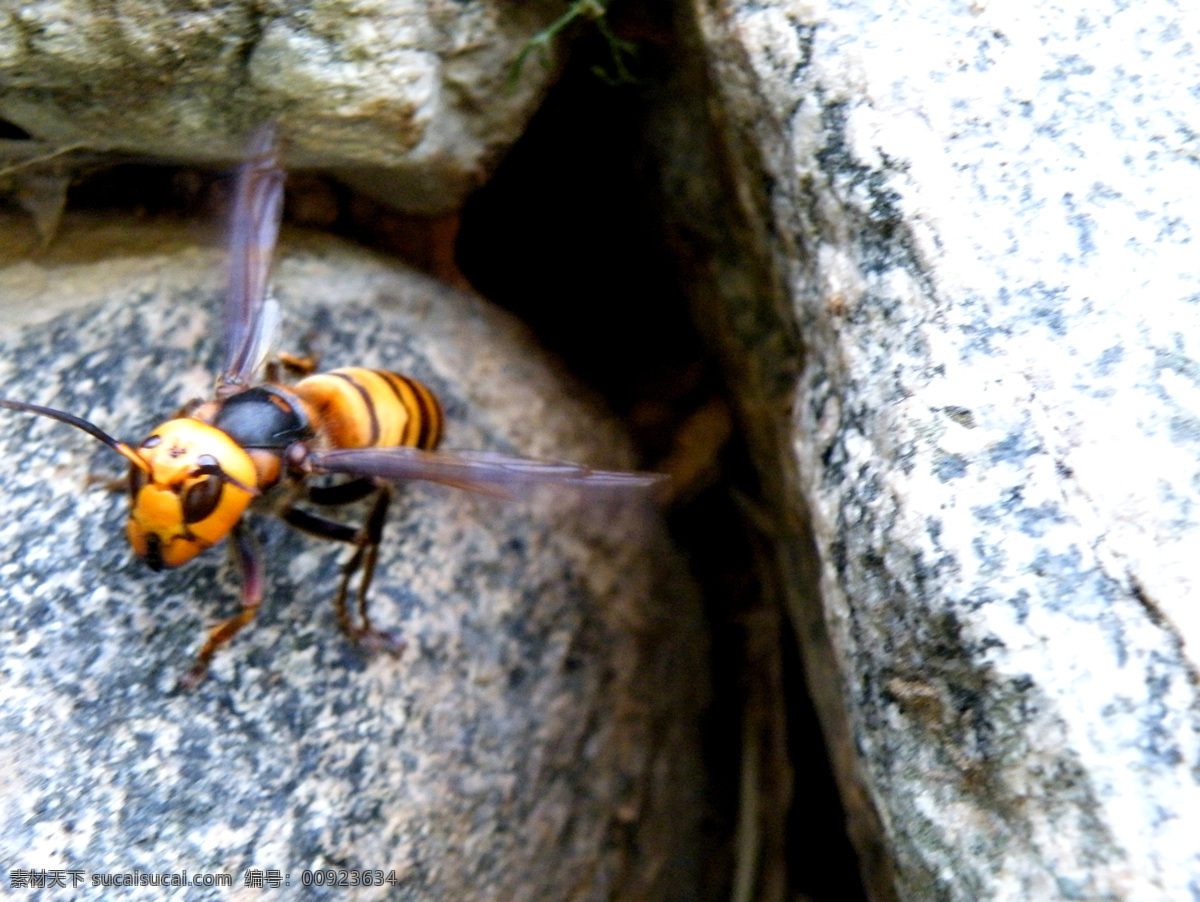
x=251, y=319
x=491, y=473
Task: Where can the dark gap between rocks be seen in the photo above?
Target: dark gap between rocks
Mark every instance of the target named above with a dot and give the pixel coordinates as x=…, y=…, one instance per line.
x=568, y=234
x=10, y=131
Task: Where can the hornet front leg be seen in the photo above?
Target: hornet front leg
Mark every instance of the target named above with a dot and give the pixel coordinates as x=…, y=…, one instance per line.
x=250, y=566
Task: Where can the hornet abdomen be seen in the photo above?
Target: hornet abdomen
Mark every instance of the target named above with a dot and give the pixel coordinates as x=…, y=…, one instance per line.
x=361, y=408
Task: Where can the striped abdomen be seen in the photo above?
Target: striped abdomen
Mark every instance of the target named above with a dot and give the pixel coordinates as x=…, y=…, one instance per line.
x=360, y=408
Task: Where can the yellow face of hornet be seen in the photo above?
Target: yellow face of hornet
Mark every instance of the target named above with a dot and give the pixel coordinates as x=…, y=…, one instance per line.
x=185, y=503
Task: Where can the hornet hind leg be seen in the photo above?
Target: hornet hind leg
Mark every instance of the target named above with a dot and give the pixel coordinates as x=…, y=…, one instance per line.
x=366, y=541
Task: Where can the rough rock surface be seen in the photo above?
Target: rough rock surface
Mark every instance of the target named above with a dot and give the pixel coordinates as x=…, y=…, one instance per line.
x=537, y=739
x=414, y=96
x=977, y=223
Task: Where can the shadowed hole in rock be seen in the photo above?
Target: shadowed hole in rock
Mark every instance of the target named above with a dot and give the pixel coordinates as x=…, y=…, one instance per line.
x=10, y=131
x=569, y=235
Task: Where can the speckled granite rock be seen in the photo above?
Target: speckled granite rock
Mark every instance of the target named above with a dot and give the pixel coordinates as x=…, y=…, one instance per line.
x=412, y=100
x=967, y=254
x=538, y=738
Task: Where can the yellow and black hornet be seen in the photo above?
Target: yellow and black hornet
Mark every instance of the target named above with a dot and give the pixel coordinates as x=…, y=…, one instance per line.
x=192, y=478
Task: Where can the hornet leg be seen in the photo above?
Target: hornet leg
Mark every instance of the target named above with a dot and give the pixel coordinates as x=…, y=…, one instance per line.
x=293, y=364
x=366, y=553
x=342, y=492
x=250, y=564
x=369, y=554
x=114, y=484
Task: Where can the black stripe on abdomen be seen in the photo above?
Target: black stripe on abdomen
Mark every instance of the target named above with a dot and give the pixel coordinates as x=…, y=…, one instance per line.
x=367, y=402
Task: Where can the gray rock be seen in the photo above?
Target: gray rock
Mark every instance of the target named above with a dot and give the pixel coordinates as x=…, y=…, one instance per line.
x=965, y=254
x=537, y=739
x=414, y=96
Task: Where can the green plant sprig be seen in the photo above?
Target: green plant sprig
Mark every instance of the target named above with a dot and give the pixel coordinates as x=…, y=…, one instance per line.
x=595, y=10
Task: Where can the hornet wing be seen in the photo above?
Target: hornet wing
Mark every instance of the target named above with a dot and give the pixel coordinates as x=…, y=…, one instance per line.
x=488, y=472
x=251, y=318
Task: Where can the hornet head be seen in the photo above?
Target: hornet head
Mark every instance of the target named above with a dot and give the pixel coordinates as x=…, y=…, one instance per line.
x=189, y=484
x=190, y=488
